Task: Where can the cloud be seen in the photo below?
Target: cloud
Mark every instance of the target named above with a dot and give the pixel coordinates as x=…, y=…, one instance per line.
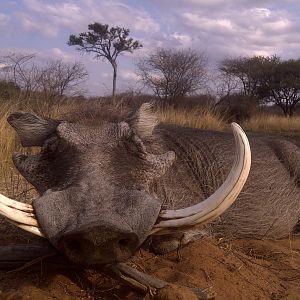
x=4, y=19
x=184, y=40
x=128, y=75
x=221, y=28
x=241, y=29
x=50, y=19
x=208, y=24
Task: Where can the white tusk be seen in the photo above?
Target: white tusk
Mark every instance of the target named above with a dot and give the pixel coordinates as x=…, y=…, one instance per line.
x=15, y=204
x=32, y=229
x=222, y=199
x=18, y=215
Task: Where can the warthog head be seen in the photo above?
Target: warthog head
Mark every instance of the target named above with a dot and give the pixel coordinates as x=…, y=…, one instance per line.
x=95, y=205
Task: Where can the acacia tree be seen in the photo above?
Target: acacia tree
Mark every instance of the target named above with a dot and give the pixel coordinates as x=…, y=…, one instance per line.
x=173, y=73
x=248, y=70
x=106, y=43
x=280, y=85
x=268, y=79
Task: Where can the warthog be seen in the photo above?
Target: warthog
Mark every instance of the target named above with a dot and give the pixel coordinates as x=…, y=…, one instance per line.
x=105, y=186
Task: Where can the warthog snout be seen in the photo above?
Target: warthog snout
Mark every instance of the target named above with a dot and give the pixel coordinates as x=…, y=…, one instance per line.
x=102, y=244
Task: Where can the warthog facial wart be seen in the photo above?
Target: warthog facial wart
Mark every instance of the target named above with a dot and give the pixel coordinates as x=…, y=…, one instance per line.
x=108, y=183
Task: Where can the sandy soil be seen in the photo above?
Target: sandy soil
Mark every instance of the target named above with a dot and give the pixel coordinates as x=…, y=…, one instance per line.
x=241, y=269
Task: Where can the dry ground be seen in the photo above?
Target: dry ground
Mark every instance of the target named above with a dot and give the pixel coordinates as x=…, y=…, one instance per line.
x=241, y=269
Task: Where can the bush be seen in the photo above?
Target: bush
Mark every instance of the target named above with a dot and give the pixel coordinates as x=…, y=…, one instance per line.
x=8, y=90
x=238, y=107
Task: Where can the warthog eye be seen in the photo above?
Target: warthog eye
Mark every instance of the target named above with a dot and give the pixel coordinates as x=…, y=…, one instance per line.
x=50, y=145
x=75, y=246
x=123, y=243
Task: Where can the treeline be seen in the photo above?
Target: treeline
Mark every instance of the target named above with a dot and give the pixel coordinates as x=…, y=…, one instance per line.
x=177, y=77
x=265, y=79
x=238, y=84
x=23, y=76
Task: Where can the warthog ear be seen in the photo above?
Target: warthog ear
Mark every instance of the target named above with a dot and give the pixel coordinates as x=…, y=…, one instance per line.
x=144, y=120
x=32, y=130
x=159, y=164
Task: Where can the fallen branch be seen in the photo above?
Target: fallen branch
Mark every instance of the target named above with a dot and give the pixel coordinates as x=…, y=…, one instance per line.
x=148, y=283
x=24, y=256
x=13, y=256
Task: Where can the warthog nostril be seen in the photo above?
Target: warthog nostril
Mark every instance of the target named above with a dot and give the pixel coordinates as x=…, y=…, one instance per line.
x=75, y=246
x=124, y=244
x=99, y=245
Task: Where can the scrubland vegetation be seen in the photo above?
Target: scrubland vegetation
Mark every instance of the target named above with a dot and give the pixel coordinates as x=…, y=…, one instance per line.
x=260, y=93
x=205, y=116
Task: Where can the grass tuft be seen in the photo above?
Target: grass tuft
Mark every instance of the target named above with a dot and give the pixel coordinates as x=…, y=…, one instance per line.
x=204, y=118
x=274, y=125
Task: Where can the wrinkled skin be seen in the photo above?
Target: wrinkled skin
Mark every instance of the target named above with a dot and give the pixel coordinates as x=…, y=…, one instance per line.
x=102, y=184
x=95, y=204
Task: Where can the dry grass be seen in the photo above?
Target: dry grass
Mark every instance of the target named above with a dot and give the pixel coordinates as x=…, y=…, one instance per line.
x=10, y=180
x=204, y=118
x=274, y=125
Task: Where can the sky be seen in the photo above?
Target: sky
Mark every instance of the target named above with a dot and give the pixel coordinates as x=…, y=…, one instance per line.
x=221, y=29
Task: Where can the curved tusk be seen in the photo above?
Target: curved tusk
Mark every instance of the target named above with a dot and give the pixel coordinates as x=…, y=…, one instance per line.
x=32, y=229
x=222, y=199
x=15, y=204
x=20, y=214
x=17, y=211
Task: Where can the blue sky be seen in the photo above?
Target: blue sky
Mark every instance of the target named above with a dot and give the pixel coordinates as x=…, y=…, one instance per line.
x=220, y=28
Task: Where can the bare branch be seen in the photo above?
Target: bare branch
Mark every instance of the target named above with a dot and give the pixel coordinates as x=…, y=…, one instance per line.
x=173, y=73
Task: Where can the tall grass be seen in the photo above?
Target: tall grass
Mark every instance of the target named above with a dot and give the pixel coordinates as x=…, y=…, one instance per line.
x=10, y=180
x=274, y=124
x=205, y=117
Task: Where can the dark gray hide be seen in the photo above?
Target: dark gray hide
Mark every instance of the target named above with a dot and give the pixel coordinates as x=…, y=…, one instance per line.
x=102, y=184
x=268, y=206
x=95, y=204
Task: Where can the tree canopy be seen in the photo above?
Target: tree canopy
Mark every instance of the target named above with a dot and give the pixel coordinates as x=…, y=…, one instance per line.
x=172, y=73
x=105, y=42
x=269, y=79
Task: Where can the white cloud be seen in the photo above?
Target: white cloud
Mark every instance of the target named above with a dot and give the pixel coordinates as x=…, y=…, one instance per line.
x=184, y=39
x=209, y=24
x=242, y=29
x=49, y=19
x=56, y=9
x=4, y=19
x=128, y=75
x=221, y=28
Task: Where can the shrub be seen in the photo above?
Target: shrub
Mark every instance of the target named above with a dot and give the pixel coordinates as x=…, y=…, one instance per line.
x=8, y=90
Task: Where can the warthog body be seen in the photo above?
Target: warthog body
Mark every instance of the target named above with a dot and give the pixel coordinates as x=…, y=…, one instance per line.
x=103, y=182
x=269, y=204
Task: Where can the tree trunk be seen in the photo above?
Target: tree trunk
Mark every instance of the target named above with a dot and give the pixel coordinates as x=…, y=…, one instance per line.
x=114, y=65
x=292, y=110
x=284, y=110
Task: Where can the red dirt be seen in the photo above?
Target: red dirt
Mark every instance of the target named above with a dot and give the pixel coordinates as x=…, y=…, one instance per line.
x=242, y=269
